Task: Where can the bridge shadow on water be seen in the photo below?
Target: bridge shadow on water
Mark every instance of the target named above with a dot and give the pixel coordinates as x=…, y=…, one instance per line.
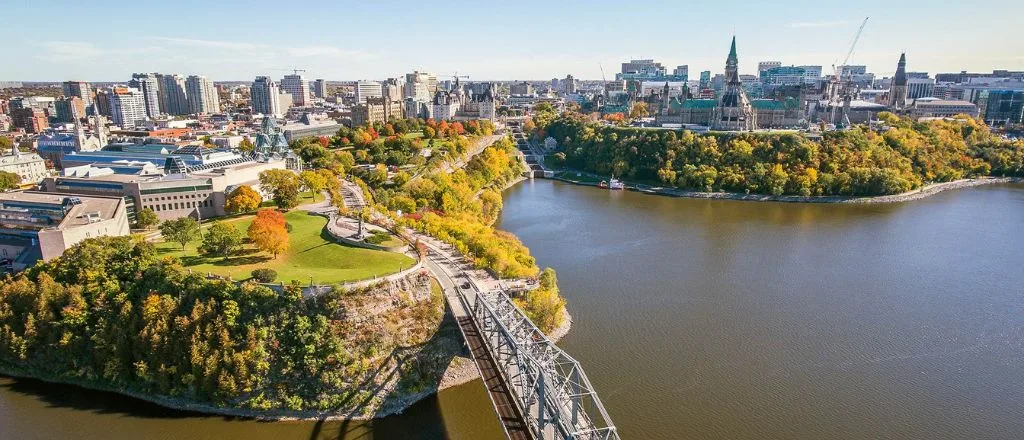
x=423, y=419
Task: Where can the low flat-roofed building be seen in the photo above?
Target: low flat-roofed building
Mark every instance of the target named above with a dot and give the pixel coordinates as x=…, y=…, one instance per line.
x=41, y=226
x=199, y=193
x=941, y=108
x=313, y=128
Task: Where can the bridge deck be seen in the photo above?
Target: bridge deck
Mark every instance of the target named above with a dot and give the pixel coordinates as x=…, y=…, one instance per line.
x=501, y=395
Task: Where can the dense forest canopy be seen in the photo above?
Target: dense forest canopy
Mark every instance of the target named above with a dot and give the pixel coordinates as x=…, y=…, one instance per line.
x=896, y=156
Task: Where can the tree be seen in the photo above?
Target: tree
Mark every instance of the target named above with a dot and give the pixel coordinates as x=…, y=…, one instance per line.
x=543, y=305
x=221, y=240
x=146, y=219
x=5, y=144
x=313, y=181
x=180, y=230
x=639, y=110
x=268, y=232
x=243, y=199
x=8, y=181
x=283, y=185
x=400, y=178
x=246, y=145
x=264, y=275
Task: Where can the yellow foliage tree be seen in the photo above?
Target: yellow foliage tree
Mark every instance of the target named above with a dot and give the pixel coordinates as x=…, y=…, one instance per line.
x=243, y=199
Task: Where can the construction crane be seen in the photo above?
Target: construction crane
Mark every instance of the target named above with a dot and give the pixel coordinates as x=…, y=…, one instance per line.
x=839, y=89
x=293, y=70
x=604, y=81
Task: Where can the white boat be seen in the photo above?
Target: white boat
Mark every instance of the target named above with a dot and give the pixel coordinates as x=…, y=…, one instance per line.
x=616, y=184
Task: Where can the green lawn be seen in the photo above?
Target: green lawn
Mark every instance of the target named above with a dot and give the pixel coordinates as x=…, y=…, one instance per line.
x=312, y=253
x=583, y=177
x=413, y=135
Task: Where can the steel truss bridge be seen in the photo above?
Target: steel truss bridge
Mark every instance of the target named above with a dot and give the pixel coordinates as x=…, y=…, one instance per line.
x=539, y=391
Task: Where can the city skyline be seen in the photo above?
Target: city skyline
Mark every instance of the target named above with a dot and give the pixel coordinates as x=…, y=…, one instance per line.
x=235, y=41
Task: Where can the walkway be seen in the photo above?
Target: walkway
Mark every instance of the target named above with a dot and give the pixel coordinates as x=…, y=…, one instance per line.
x=538, y=390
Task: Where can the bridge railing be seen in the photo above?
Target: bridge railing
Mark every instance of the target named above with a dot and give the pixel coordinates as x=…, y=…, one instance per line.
x=551, y=388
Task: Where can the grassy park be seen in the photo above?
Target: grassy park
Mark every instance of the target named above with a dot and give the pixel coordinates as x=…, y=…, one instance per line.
x=312, y=254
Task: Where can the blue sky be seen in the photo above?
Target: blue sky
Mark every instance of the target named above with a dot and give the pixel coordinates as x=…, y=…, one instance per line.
x=105, y=40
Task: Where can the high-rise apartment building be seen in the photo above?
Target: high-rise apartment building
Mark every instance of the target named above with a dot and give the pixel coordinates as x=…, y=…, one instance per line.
x=70, y=109
x=202, y=95
x=320, y=89
x=298, y=87
x=127, y=107
x=173, y=99
x=265, y=96
x=148, y=84
x=31, y=119
x=569, y=85
x=81, y=89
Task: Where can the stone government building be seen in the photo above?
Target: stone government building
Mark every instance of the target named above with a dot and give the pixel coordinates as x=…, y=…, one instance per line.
x=732, y=111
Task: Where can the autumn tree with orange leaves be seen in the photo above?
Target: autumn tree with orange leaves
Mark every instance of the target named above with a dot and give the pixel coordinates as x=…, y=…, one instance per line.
x=269, y=232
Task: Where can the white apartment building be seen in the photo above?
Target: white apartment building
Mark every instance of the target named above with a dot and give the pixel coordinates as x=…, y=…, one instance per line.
x=202, y=95
x=127, y=107
x=298, y=87
x=368, y=89
x=266, y=96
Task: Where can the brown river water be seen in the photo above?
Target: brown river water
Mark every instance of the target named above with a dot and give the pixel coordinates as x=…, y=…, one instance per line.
x=715, y=319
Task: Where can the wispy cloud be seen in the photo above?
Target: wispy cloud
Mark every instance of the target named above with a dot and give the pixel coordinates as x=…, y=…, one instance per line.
x=232, y=45
x=327, y=51
x=69, y=50
x=818, y=24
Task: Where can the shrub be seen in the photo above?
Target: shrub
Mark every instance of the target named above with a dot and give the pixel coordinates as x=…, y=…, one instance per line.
x=264, y=275
x=378, y=237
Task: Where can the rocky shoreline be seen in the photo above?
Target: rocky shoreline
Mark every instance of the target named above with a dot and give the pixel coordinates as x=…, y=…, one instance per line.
x=920, y=193
x=460, y=371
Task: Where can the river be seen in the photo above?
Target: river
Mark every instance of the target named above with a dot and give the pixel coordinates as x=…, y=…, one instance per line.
x=718, y=319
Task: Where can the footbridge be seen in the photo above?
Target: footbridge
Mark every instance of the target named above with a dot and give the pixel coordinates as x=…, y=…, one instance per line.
x=538, y=390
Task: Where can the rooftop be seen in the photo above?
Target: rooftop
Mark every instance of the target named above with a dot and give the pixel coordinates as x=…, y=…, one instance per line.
x=80, y=210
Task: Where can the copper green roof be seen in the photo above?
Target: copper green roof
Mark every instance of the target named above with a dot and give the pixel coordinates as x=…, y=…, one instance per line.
x=771, y=104
x=700, y=103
